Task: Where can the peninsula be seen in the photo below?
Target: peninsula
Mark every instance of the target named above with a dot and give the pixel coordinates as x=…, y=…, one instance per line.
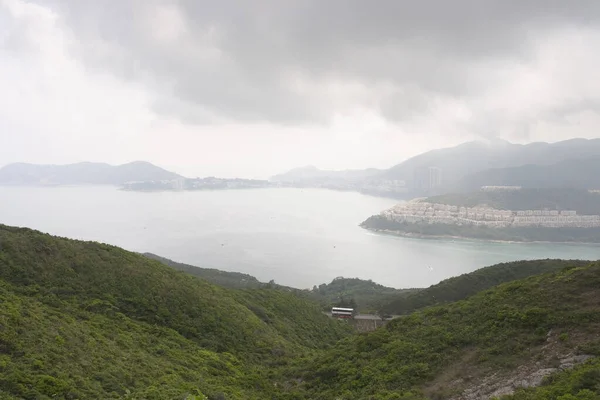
x=498, y=213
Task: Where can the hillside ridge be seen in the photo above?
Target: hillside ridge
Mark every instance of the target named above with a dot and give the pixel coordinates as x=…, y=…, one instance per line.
x=473, y=346
x=89, y=320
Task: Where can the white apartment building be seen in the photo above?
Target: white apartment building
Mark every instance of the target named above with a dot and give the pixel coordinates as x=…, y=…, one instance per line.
x=419, y=211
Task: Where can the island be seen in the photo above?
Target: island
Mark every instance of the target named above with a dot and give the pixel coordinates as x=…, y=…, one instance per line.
x=83, y=173
x=498, y=214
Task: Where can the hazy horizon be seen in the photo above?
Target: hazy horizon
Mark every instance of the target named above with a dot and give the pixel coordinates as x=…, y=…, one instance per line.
x=227, y=89
x=175, y=169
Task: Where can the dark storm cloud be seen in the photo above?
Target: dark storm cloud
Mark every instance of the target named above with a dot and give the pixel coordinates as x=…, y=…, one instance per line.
x=273, y=60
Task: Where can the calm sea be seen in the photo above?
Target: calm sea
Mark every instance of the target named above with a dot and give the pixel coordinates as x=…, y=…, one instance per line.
x=298, y=237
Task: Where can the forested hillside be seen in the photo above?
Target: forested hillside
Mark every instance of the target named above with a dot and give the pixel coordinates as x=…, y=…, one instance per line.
x=463, y=286
x=366, y=296
x=87, y=320
x=438, y=352
x=229, y=279
x=352, y=292
x=82, y=320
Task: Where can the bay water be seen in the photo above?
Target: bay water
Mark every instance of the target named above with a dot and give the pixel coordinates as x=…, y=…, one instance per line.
x=296, y=237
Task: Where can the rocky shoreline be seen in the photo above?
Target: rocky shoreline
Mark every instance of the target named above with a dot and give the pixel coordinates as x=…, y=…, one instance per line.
x=466, y=238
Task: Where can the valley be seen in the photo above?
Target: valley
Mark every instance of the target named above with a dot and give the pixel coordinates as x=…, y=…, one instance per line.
x=299, y=200
x=89, y=320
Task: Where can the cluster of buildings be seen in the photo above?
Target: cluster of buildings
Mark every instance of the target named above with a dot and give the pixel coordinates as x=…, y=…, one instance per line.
x=384, y=185
x=196, y=184
x=152, y=185
x=427, y=179
x=220, y=183
x=500, y=188
x=367, y=186
x=419, y=211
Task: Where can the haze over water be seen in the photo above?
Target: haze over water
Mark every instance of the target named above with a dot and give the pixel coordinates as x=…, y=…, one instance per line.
x=298, y=237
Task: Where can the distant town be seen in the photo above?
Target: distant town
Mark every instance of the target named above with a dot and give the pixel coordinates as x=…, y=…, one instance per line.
x=421, y=212
x=210, y=183
x=425, y=181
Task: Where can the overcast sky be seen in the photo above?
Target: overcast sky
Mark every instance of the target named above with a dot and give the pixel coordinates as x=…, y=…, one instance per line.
x=253, y=88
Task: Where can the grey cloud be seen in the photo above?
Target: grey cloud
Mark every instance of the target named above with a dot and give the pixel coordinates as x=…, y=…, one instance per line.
x=560, y=115
x=406, y=103
x=236, y=59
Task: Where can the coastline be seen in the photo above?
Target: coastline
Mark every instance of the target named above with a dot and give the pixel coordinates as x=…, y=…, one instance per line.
x=383, y=195
x=187, y=190
x=468, y=238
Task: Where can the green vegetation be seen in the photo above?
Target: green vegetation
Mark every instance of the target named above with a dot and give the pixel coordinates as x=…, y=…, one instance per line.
x=87, y=320
x=364, y=295
x=228, y=279
x=367, y=296
x=466, y=285
x=512, y=234
x=420, y=355
x=580, y=200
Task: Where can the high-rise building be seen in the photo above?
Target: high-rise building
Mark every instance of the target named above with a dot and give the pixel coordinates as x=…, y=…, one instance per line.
x=435, y=177
x=178, y=184
x=427, y=179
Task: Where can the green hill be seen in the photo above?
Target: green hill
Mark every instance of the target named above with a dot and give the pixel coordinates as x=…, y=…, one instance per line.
x=83, y=320
x=438, y=352
x=236, y=280
x=365, y=295
x=460, y=287
x=88, y=320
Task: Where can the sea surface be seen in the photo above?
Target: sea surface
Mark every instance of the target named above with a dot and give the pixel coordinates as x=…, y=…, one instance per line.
x=297, y=237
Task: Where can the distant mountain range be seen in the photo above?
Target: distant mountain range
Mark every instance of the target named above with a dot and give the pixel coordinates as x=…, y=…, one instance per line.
x=469, y=166
x=82, y=173
x=470, y=158
x=466, y=167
